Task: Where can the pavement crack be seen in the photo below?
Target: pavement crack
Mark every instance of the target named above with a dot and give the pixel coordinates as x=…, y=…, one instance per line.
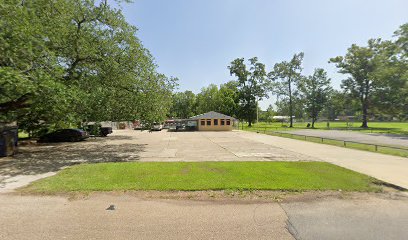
x=219, y=145
x=289, y=225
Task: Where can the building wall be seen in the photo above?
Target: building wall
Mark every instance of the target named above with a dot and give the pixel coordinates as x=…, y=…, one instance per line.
x=213, y=127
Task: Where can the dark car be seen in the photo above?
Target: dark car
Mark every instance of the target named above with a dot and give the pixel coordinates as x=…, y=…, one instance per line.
x=97, y=130
x=105, y=131
x=65, y=135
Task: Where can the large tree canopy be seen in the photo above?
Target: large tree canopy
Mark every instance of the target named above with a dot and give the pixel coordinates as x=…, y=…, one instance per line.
x=69, y=61
x=377, y=76
x=252, y=86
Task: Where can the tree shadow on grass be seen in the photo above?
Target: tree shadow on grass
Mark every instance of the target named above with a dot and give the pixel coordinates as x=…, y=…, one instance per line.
x=43, y=158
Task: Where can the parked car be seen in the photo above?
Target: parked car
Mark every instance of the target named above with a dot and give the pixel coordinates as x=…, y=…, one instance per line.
x=97, y=130
x=105, y=131
x=65, y=135
x=138, y=127
x=181, y=127
x=157, y=127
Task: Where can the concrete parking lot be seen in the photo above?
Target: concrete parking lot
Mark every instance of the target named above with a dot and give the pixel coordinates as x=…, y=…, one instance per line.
x=310, y=216
x=40, y=160
x=208, y=146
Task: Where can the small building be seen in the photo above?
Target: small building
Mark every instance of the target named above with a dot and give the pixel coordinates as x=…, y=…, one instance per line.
x=213, y=121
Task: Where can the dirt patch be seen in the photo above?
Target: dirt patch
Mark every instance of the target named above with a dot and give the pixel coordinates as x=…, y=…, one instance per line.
x=235, y=196
x=186, y=170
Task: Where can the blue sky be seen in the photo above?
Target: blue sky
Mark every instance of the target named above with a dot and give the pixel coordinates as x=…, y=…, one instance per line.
x=195, y=40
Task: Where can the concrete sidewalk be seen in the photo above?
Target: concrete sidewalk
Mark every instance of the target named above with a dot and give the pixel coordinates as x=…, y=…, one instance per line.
x=391, y=169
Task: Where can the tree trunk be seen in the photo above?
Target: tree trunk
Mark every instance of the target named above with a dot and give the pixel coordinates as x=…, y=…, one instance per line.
x=290, y=105
x=365, y=110
x=364, y=123
x=364, y=103
x=313, y=122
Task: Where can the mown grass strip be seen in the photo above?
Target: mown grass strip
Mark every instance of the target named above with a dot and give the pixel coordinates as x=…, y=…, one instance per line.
x=190, y=176
x=400, y=128
x=340, y=143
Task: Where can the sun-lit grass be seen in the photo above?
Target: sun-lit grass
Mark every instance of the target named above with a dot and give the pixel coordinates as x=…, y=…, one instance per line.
x=22, y=134
x=374, y=127
x=189, y=176
x=396, y=151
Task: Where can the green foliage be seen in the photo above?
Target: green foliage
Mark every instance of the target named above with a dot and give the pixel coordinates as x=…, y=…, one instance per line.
x=223, y=99
x=285, y=77
x=252, y=86
x=267, y=116
x=229, y=99
x=315, y=91
x=378, y=75
x=68, y=61
x=208, y=99
x=184, y=105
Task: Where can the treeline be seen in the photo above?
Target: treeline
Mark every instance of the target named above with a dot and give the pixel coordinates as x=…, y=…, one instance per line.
x=375, y=84
x=66, y=62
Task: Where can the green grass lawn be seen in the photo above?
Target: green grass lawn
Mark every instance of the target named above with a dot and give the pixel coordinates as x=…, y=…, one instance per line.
x=22, y=134
x=400, y=128
x=374, y=127
x=190, y=176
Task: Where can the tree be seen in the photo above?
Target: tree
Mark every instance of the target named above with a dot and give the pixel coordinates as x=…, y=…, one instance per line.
x=315, y=90
x=184, y=105
x=228, y=97
x=252, y=86
x=68, y=61
x=285, y=76
x=361, y=64
x=208, y=99
x=391, y=75
x=336, y=105
x=267, y=116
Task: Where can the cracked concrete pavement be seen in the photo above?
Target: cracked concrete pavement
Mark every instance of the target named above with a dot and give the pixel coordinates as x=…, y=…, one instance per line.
x=42, y=160
x=38, y=161
x=355, y=216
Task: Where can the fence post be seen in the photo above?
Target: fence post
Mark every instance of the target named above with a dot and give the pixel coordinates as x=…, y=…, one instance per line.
x=322, y=139
x=305, y=137
x=344, y=143
x=265, y=130
x=376, y=148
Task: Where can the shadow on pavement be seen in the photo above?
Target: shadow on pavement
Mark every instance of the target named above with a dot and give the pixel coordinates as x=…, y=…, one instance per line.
x=50, y=157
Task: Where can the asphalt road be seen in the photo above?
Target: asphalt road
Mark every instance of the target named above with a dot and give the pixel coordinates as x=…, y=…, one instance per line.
x=373, y=218
x=370, y=138
x=364, y=216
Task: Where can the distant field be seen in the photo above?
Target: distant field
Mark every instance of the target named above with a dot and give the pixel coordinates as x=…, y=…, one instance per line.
x=374, y=127
x=22, y=134
x=191, y=176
